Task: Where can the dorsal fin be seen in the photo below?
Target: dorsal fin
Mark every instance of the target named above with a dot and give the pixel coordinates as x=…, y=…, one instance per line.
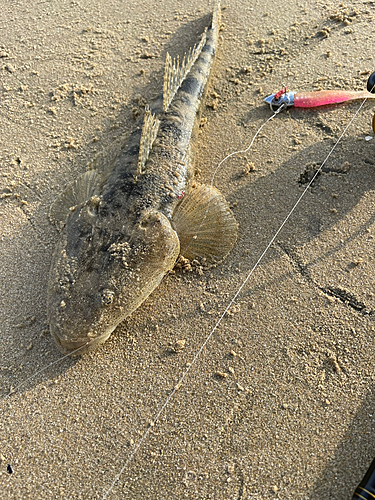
x=175, y=72
x=149, y=131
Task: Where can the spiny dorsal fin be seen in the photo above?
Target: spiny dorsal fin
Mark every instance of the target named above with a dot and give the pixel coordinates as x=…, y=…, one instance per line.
x=82, y=189
x=205, y=224
x=175, y=72
x=149, y=131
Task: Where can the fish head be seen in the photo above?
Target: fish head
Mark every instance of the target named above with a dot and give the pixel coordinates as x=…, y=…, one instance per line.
x=102, y=271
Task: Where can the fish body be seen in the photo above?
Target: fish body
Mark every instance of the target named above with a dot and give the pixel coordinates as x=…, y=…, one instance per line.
x=127, y=225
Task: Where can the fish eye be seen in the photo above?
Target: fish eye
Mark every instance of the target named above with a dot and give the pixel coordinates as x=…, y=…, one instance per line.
x=107, y=297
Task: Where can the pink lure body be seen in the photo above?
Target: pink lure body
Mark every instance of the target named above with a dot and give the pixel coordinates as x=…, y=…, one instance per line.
x=323, y=97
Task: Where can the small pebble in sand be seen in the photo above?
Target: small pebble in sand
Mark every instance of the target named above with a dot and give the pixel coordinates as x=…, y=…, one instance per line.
x=249, y=167
x=179, y=345
x=230, y=469
x=10, y=68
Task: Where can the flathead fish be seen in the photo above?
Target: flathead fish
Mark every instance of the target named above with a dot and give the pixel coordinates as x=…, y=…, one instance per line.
x=123, y=228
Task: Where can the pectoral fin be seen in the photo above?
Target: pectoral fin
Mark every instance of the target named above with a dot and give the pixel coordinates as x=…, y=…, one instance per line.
x=79, y=191
x=205, y=224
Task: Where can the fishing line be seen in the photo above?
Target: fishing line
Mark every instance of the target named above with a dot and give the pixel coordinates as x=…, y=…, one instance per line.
x=232, y=301
x=242, y=151
x=250, y=273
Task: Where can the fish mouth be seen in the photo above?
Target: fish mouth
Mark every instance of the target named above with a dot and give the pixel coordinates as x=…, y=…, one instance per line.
x=79, y=346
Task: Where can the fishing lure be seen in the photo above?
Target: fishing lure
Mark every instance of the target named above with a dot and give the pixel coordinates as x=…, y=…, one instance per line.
x=314, y=99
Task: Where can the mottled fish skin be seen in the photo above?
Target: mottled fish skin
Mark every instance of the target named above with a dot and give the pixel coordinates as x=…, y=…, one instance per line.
x=170, y=163
x=117, y=245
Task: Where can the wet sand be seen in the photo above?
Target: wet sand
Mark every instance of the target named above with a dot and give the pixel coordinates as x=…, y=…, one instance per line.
x=281, y=403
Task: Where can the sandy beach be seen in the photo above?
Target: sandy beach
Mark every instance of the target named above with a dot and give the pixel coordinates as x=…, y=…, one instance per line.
x=281, y=402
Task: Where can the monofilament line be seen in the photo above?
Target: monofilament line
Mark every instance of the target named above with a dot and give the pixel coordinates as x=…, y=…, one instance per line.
x=243, y=151
x=234, y=298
